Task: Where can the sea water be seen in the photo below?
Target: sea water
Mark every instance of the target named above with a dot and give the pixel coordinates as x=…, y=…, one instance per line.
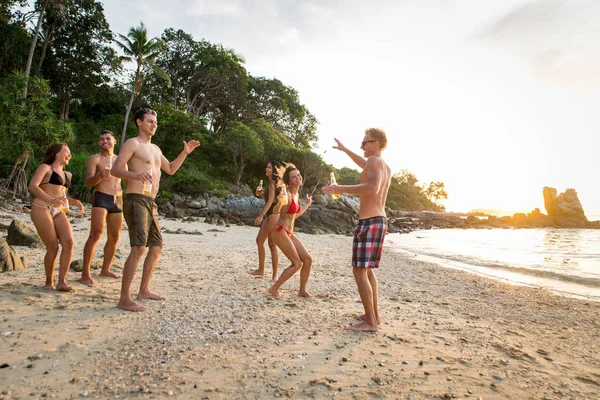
x=563, y=260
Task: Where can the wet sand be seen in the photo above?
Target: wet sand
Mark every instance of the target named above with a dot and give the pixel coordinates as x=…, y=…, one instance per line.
x=445, y=333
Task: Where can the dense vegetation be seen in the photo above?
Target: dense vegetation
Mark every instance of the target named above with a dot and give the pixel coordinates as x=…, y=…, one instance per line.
x=61, y=80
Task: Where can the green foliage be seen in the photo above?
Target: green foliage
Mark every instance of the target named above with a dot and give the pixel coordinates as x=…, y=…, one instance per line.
x=15, y=39
x=175, y=127
x=280, y=105
x=28, y=126
x=200, y=90
x=406, y=194
x=79, y=60
x=244, y=145
x=348, y=176
x=191, y=180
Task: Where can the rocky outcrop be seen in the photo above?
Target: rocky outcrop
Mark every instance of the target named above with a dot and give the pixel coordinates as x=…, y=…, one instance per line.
x=9, y=258
x=566, y=206
x=328, y=216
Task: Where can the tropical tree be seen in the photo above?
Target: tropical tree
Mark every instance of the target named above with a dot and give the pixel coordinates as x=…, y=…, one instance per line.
x=244, y=145
x=219, y=86
x=15, y=39
x=27, y=126
x=42, y=5
x=280, y=105
x=179, y=61
x=77, y=65
x=143, y=53
x=436, y=192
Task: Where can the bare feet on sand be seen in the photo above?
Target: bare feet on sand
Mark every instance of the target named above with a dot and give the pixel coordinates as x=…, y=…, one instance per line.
x=304, y=294
x=362, y=318
x=48, y=286
x=258, y=272
x=87, y=280
x=109, y=274
x=362, y=327
x=63, y=287
x=130, y=305
x=274, y=292
x=149, y=296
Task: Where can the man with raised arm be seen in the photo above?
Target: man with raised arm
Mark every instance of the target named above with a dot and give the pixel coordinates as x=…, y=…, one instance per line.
x=370, y=232
x=140, y=163
x=107, y=206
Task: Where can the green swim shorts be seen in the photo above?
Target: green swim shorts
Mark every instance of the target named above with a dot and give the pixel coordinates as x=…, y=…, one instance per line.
x=141, y=214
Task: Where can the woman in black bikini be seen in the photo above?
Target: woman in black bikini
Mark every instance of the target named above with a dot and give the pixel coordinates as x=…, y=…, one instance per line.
x=267, y=220
x=49, y=185
x=283, y=234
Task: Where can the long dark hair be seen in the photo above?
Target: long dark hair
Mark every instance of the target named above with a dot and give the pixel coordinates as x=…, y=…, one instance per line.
x=276, y=177
x=52, y=151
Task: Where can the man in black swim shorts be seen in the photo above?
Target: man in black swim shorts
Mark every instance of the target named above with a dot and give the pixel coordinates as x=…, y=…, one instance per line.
x=107, y=206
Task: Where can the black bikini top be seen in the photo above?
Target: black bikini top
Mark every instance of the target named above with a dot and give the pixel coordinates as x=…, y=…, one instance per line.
x=55, y=179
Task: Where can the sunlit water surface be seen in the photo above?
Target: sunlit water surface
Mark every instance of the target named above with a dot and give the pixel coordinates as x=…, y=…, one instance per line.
x=564, y=260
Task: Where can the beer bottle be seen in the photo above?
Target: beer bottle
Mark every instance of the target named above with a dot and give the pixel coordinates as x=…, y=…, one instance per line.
x=284, y=200
x=333, y=182
x=148, y=185
x=259, y=190
x=65, y=206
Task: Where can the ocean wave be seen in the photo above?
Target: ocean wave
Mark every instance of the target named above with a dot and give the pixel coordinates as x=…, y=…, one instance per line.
x=581, y=280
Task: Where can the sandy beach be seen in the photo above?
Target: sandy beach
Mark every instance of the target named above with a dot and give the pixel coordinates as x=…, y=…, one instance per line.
x=445, y=333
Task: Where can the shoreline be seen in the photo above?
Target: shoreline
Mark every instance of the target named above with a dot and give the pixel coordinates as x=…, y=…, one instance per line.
x=445, y=332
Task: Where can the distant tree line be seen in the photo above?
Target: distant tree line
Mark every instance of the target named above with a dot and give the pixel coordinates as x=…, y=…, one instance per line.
x=61, y=80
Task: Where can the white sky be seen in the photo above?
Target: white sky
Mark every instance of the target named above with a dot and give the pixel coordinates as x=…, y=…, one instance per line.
x=496, y=101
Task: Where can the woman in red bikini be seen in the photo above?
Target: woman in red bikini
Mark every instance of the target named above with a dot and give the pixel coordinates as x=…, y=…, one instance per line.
x=267, y=220
x=49, y=185
x=283, y=234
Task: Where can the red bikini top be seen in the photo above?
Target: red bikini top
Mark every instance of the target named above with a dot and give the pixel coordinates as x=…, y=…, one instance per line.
x=294, y=208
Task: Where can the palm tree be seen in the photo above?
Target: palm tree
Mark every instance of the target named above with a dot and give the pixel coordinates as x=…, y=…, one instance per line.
x=143, y=52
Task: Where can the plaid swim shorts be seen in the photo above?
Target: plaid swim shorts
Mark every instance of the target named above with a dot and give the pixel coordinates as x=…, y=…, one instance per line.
x=368, y=242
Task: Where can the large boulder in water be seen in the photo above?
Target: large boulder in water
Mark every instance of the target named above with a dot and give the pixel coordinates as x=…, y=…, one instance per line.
x=565, y=206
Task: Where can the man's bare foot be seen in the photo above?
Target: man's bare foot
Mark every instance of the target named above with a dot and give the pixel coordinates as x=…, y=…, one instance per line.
x=149, y=296
x=130, y=305
x=362, y=327
x=362, y=318
x=109, y=274
x=87, y=280
x=258, y=272
x=63, y=287
x=274, y=292
x=304, y=294
x=48, y=286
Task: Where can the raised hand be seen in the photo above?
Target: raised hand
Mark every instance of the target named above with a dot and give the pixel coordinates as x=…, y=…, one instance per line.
x=190, y=146
x=309, y=200
x=339, y=145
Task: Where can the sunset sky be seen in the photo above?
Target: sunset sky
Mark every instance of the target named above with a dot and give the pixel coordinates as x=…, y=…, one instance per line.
x=496, y=101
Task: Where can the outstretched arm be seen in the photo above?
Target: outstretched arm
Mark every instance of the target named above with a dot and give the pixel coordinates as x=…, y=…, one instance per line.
x=360, y=161
x=373, y=168
x=172, y=167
